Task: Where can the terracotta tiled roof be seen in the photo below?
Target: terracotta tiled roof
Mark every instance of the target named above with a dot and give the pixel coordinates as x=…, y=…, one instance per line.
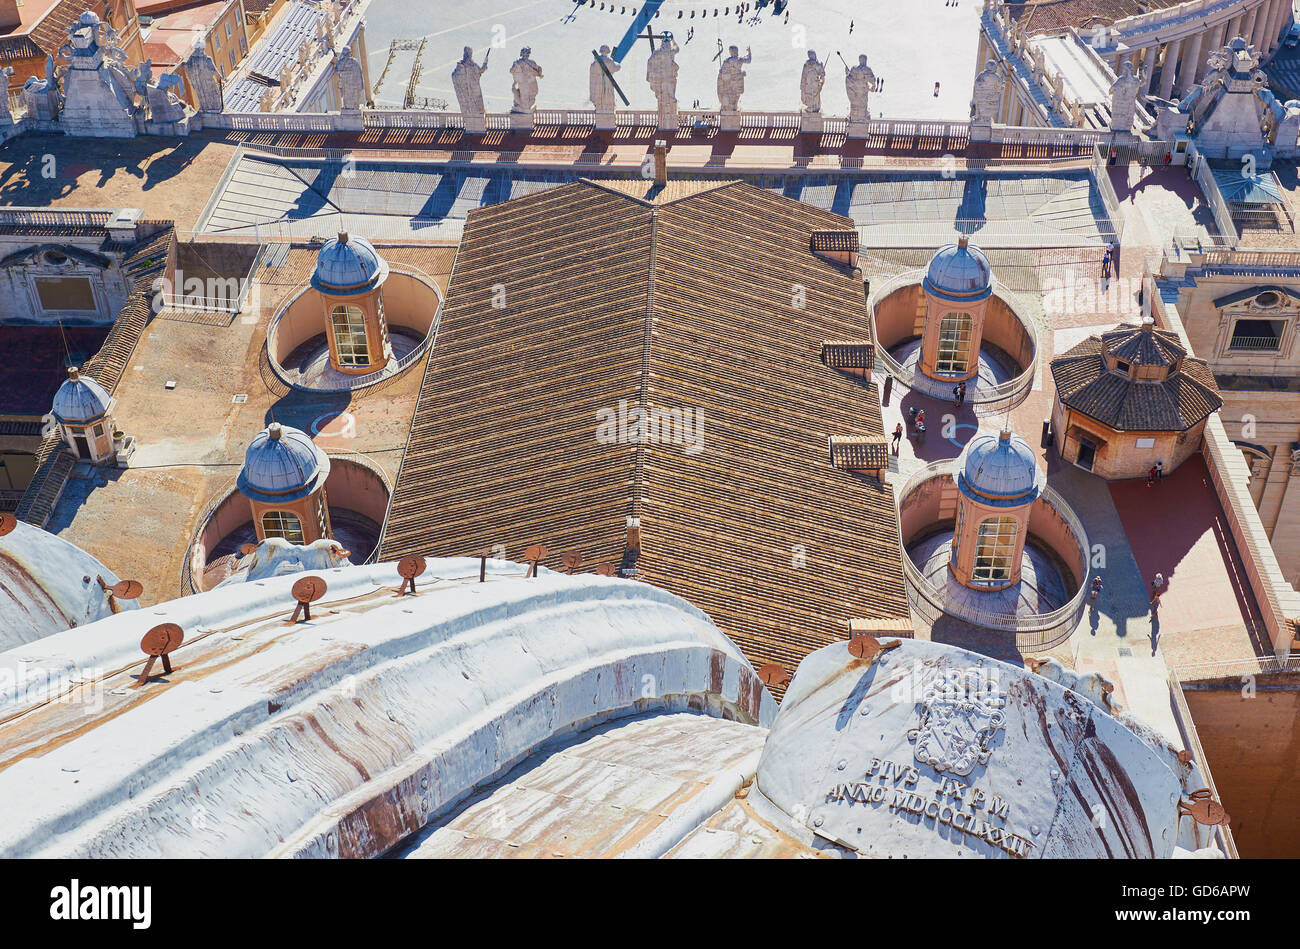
x=1133, y=345
x=1174, y=404
x=52, y=31
x=610, y=304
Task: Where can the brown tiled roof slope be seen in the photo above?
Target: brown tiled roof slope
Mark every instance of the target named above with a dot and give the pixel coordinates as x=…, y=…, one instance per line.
x=1174, y=404
x=686, y=305
x=1081, y=14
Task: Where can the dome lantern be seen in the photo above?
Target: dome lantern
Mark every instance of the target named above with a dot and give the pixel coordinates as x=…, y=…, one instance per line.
x=349, y=278
x=957, y=288
x=998, y=479
x=84, y=410
x=284, y=477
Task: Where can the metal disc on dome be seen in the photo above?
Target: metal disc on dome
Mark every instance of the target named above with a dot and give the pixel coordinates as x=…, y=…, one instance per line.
x=572, y=560
x=605, y=570
x=864, y=647
x=771, y=673
x=309, y=589
x=127, y=589
x=536, y=552
x=410, y=567
x=162, y=639
x=7, y=523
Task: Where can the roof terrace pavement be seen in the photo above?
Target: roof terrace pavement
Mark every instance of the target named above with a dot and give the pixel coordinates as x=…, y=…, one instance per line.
x=166, y=178
x=1176, y=528
x=191, y=439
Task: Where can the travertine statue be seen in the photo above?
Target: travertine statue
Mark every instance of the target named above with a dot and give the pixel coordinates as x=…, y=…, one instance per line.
x=1286, y=141
x=731, y=79
x=352, y=82
x=42, y=95
x=164, y=104
x=6, y=116
x=465, y=79
x=1123, y=99
x=600, y=89
x=202, y=73
x=524, y=88
x=811, y=82
x=661, y=73
x=142, y=77
x=859, y=83
x=987, y=96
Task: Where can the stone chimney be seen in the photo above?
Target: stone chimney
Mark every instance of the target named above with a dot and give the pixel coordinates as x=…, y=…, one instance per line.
x=661, y=162
x=122, y=225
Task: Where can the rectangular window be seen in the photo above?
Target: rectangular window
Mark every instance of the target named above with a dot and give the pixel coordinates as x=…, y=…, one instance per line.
x=954, y=343
x=65, y=293
x=1257, y=335
x=216, y=38
x=227, y=28
x=99, y=430
x=243, y=46
x=995, y=546
x=1146, y=443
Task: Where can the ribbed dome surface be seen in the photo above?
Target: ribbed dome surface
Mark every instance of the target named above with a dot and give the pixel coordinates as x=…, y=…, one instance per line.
x=959, y=272
x=80, y=399
x=282, y=464
x=998, y=467
x=348, y=265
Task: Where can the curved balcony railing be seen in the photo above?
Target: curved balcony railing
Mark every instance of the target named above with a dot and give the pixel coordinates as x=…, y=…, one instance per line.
x=1033, y=632
x=389, y=371
x=984, y=400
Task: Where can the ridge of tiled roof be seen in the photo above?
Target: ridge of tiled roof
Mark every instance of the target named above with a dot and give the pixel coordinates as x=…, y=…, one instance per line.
x=646, y=192
x=1143, y=348
x=1175, y=404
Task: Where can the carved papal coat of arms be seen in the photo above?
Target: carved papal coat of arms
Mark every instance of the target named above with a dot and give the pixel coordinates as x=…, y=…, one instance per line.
x=960, y=713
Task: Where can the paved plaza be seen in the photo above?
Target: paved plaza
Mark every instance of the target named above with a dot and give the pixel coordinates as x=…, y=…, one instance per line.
x=911, y=46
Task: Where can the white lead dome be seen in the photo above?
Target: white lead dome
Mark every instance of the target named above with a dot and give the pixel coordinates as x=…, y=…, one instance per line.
x=959, y=273
x=998, y=468
x=282, y=464
x=348, y=265
x=80, y=399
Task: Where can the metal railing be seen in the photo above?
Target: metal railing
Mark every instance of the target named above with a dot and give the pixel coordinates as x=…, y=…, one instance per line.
x=1204, y=179
x=390, y=371
x=984, y=400
x=1035, y=631
x=1257, y=343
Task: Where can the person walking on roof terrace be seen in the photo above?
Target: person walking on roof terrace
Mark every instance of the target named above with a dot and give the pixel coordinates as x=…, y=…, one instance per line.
x=898, y=436
x=1151, y=476
x=958, y=395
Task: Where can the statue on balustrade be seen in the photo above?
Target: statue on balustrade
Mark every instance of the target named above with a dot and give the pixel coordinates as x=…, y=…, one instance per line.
x=1123, y=99
x=352, y=81
x=524, y=88
x=465, y=79
x=600, y=87
x=986, y=100
x=202, y=74
x=859, y=83
x=811, y=82
x=6, y=114
x=731, y=78
x=42, y=95
x=661, y=73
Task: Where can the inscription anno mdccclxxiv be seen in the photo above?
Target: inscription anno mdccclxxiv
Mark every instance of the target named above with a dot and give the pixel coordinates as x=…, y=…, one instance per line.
x=955, y=803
